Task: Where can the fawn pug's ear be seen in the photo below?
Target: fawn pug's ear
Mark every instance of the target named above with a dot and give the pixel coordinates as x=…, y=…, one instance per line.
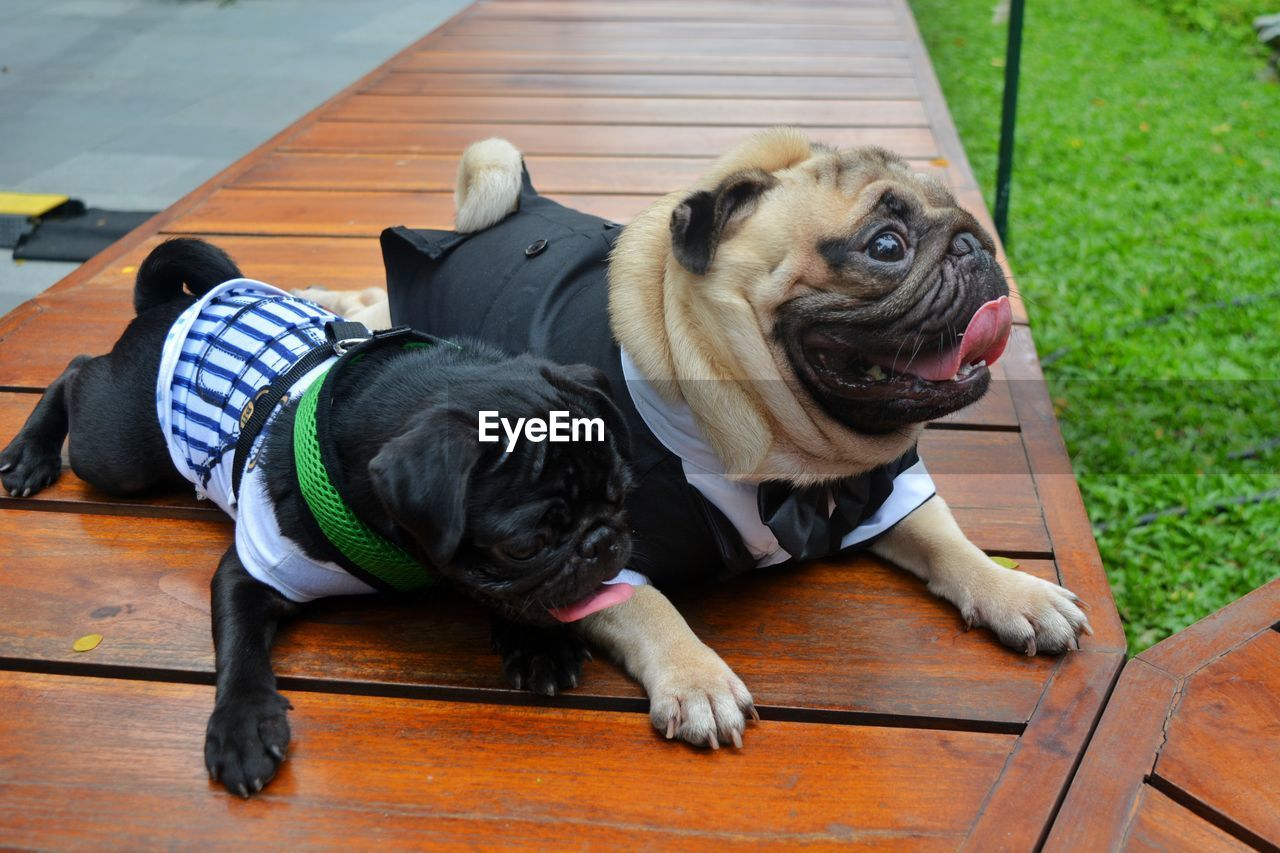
x=700, y=221
x=423, y=477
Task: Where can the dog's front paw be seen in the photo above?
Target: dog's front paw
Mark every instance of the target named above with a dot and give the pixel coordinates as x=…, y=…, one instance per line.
x=28, y=466
x=545, y=661
x=701, y=700
x=246, y=740
x=1028, y=613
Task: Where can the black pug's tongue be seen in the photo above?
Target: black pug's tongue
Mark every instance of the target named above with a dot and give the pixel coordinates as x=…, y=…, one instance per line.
x=605, y=595
x=984, y=339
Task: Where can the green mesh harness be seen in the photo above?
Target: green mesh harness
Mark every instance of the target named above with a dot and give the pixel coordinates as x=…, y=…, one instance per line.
x=365, y=553
x=366, y=548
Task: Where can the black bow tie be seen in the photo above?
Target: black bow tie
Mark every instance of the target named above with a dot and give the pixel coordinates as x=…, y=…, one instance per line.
x=804, y=519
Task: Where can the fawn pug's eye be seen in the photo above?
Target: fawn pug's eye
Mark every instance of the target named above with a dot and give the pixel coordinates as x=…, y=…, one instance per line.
x=886, y=247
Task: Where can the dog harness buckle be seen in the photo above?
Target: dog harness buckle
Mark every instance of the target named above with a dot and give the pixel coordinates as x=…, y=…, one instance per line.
x=344, y=334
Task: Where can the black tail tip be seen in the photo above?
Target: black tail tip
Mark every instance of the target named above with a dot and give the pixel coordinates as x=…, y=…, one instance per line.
x=181, y=265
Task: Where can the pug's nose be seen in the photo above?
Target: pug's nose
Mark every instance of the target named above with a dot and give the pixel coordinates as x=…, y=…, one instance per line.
x=598, y=543
x=964, y=243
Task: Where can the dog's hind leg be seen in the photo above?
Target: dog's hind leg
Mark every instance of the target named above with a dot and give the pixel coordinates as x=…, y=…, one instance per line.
x=248, y=731
x=34, y=457
x=116, y=443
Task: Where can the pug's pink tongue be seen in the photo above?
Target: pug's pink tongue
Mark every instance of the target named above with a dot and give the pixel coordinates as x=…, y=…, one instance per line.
x=984, y=339
x=605, y=595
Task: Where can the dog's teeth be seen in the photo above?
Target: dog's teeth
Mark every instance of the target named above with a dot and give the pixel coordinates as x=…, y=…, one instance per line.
x=876, y=372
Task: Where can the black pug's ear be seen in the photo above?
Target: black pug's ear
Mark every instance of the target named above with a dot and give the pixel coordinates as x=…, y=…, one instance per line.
x=698, y=222
x=422, y=478
x=590, y=385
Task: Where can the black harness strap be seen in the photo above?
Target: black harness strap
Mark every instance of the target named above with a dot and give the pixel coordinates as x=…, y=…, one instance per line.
x=341, y=335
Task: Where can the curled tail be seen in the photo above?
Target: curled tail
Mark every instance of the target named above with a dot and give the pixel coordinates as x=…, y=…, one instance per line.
x=181, y=261
x=488, y=184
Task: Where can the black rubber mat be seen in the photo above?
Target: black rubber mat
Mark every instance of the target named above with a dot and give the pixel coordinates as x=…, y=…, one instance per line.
x=76, y=233
x=12, y=227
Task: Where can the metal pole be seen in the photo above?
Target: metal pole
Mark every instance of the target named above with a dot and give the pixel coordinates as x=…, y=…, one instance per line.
x=1008, y=115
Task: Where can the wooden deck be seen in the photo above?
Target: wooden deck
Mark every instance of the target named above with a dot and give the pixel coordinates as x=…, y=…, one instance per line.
x=1187, y=756
x=885, y=723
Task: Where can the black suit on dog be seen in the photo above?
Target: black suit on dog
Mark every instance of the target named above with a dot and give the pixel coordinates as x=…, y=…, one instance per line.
x=536, y=282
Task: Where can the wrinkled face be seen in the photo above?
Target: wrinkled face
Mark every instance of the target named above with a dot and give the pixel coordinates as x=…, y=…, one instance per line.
x=545, y=528
x=878, y=297
x=528, y=532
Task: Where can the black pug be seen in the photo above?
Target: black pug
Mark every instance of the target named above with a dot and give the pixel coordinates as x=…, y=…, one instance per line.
x=349, y=474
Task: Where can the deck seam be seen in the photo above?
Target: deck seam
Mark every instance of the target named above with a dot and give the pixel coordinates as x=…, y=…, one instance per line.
x=1208, y=814
x=505, y=697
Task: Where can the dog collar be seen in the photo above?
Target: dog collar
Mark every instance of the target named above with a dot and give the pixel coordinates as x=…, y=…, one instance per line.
x=367, y=554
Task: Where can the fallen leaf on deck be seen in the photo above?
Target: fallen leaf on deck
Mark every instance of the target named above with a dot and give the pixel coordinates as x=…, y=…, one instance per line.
x=87, y=643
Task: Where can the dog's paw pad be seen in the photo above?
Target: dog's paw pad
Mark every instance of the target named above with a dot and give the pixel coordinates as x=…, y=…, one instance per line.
x=245, y=742
x=1031, y=614
x=26, y=467
x=545, y=661
x=702, y=702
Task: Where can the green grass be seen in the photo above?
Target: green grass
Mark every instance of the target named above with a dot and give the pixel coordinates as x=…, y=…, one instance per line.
x=1146, y=185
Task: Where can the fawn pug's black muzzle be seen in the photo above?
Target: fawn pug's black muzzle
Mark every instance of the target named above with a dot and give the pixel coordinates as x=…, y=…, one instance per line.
x=879, y=365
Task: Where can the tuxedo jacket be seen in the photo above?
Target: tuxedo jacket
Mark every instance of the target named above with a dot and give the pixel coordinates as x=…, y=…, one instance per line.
x=536, y=282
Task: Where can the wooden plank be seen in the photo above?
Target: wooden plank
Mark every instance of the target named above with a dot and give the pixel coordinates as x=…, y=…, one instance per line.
x=930, y=92
x=465, y=774
x=663, y=62
x=438, y=173
x=707, y=46
x=1204, y=730
x=580, y=139
x=324, y=213
x=855, y=13
x=40, y=338
x=881, y=27
x=1223, y=741
x=1216, y=634
x=1017, y=813
x=1104, y=792
x=1160, y=824
x=656, y=85
x=287, y=262
x=702, y=112
x=1073, y=543
x=854, y=637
